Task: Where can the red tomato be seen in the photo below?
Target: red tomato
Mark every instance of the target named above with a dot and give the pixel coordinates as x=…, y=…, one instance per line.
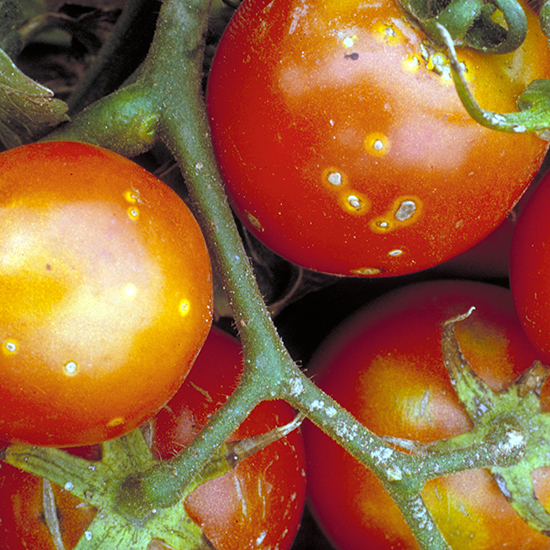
x=23, y=500
x=257, y=505
x=385, y=366
x=344, y=145
x=105, y=294
x=530, y=269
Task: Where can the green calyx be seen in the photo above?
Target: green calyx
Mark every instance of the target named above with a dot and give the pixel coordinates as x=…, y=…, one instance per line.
x=97, y=483
x=512, y=421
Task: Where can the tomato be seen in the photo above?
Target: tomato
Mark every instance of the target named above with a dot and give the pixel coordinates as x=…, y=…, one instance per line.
x=530, y=269
x=23, y=501
x=256, y=505
x=105, y=294
x=259, y=503
x=385, y=366
x=344, y=145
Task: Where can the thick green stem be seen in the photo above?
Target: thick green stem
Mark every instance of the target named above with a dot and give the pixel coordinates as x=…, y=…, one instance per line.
x=169, y=90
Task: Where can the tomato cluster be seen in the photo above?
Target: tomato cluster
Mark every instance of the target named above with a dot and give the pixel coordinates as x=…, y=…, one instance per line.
x=400, y=387
x=345, y=150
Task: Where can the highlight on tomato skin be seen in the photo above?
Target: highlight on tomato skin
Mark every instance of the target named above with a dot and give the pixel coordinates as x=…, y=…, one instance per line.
x=385, y=366
x=259, y=504
x=105, y=294
x=344, y=146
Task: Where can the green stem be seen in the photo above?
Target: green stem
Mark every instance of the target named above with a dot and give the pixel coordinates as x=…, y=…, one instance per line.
x=169, y=90
x=131, y=110
x=164, y=484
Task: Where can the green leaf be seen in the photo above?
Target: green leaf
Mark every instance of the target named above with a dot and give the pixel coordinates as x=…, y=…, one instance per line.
x=28, y=110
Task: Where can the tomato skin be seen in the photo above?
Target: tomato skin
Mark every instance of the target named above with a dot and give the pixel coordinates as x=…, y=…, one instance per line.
x=22, y=521
x=105, y=294
x=259, y=504
x=530, y=269
x=345, y=153
x=385, y=366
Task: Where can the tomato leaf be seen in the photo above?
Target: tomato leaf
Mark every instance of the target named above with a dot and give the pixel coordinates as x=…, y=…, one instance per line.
x=27, y=109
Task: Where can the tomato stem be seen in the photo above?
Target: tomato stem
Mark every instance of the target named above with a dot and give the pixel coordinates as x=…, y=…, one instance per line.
x=471, y=23
x=534, y=102
x=166, y=103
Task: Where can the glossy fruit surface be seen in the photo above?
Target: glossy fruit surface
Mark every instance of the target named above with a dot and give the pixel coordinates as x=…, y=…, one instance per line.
x=385, y=366
x=344, y=145
x=258, y=504
x=105, y=294
x=530, y=269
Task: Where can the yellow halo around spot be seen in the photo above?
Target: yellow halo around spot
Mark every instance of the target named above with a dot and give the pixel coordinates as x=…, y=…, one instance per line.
x=10, y=347
x=133, y=213
x=184, y=307
x=131, y=196
x=367, y=271
x=354, y=203
x=377, y=144
x=254, y=221
x=115, y=422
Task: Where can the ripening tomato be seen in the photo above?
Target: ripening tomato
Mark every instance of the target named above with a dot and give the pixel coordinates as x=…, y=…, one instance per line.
x=257, y=505
x=105, y=294
x=343, y=142
x=530, y=269
x=385, y=365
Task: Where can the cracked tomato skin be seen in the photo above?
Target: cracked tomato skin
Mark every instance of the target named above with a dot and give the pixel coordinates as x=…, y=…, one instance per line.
x=258, y=504
x=385, y=366
x=343, y=142
x=105, y=294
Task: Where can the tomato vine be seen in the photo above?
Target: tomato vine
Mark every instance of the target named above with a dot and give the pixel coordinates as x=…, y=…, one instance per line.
x=165, y=102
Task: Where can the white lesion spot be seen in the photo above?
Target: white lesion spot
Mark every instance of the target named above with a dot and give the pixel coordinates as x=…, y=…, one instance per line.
x=335, y=178
x=355, y=202
x=10, y=347
x=349, y=41
x=70, y=368
x=395, y=252
x=133, y=213
x=378, y=145
x=405, y=210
